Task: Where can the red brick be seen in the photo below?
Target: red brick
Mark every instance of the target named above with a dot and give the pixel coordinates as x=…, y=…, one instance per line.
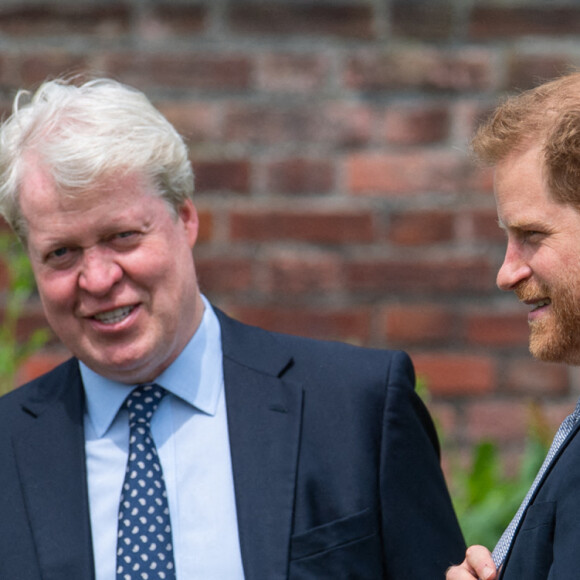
x=531, y=377
x=40, y=363
x=468, y=114
x=321, y=226
x=295, y=272
x=445, y=418
x=406, y=173
x=270, y=18
x=348, y=124
x=456, y=374
x=421, y=227
x=433, y=277
x=416, y=125
x=527, y=71
x=223, y=274
x=426, y=68
x=206, y=225
x=348, y=325
x=35, y=68
x=487, y=22
x=54, y=19
x=292, y=73
x=422, y=19
x=196, y=71
x=264, y=124
x=496, y=329
x=180, y=18
x=300, y=176
x=552, y=414
x=198, y=122
x=500, y=421
x=31, y=319
x=483, y=225
x=222, y=175
x=418, y=324
x=479, y=180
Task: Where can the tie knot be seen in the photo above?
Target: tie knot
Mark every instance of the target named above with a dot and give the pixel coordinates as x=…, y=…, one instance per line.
x=143, y=402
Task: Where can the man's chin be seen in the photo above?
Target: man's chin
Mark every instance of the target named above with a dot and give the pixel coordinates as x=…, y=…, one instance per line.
x=554, y=351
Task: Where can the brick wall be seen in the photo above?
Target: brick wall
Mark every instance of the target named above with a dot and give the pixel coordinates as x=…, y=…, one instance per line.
x=329, y=140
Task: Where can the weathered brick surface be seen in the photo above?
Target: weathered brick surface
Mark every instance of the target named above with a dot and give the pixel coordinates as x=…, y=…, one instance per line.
x=386, y=173
x=232, y=175
x=419, y=276
x=426, y=68
x=285, y=72
x=40, y=363
x=423, y=19
x=335, y=191
x=526, y=70
x=348, y=325
x=45, y=19
x=299, y=175
x=353, y=20
x=421, y=227
x=177, y=18
x=207, y=72
x=493, y=328
x=449, y=374
x=419, y=324
x=499, y=420
x=416, y=124
x=511, y=21
x=293, y=273
x=318, y=226
x=529, y=377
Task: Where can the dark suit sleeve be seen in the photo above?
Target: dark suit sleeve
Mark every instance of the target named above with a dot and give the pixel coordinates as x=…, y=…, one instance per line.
x=420, y=531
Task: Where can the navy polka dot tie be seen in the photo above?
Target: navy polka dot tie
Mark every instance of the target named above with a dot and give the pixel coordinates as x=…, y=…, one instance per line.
x=144, y=544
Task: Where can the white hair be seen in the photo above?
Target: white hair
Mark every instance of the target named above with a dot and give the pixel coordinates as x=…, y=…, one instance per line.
x=81, y=133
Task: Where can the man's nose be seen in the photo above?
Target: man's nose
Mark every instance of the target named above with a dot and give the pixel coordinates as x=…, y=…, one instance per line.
x=99, y=271
x=514, y=269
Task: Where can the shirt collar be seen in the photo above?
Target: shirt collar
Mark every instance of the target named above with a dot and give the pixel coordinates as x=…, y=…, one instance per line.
x=195, y=376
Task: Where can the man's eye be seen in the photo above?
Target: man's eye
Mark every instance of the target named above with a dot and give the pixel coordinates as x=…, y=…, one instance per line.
x=128, y=235
x=60, y=258
x=533, y=234
x=58, y=253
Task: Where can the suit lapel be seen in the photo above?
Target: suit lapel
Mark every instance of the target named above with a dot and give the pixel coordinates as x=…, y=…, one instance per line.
x=559, y=452
x=49, y=453
x=264, y=420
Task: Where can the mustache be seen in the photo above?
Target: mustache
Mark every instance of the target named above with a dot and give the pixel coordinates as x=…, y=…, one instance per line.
x=528, y=290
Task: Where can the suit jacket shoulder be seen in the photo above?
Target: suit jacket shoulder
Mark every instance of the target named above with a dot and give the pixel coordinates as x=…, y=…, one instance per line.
x=343, y=450
x=44, y=518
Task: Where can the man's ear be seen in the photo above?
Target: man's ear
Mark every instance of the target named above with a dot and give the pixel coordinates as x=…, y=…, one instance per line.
x=188, y=215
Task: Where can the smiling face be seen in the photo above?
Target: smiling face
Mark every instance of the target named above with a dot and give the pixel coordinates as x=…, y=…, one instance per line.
x=542, y=261
x=114, y=271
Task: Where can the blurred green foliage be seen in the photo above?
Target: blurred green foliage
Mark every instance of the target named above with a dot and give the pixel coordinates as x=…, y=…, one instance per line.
x=21, y=286
x=485, y=494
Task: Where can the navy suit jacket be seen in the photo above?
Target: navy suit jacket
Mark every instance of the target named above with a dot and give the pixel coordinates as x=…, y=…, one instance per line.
x=546, y=544
x=335, y=464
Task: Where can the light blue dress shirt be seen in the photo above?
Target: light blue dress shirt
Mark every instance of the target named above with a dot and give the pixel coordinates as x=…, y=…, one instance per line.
x=191, y=435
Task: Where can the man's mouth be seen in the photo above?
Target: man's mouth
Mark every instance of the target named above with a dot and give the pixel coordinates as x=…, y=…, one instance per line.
x=114, y=316
x=540, y=304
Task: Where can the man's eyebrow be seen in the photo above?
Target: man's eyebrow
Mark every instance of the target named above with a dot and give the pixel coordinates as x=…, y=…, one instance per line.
x=524, y=226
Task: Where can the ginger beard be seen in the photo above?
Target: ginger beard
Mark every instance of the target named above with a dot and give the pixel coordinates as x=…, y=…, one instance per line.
x=555, y=336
